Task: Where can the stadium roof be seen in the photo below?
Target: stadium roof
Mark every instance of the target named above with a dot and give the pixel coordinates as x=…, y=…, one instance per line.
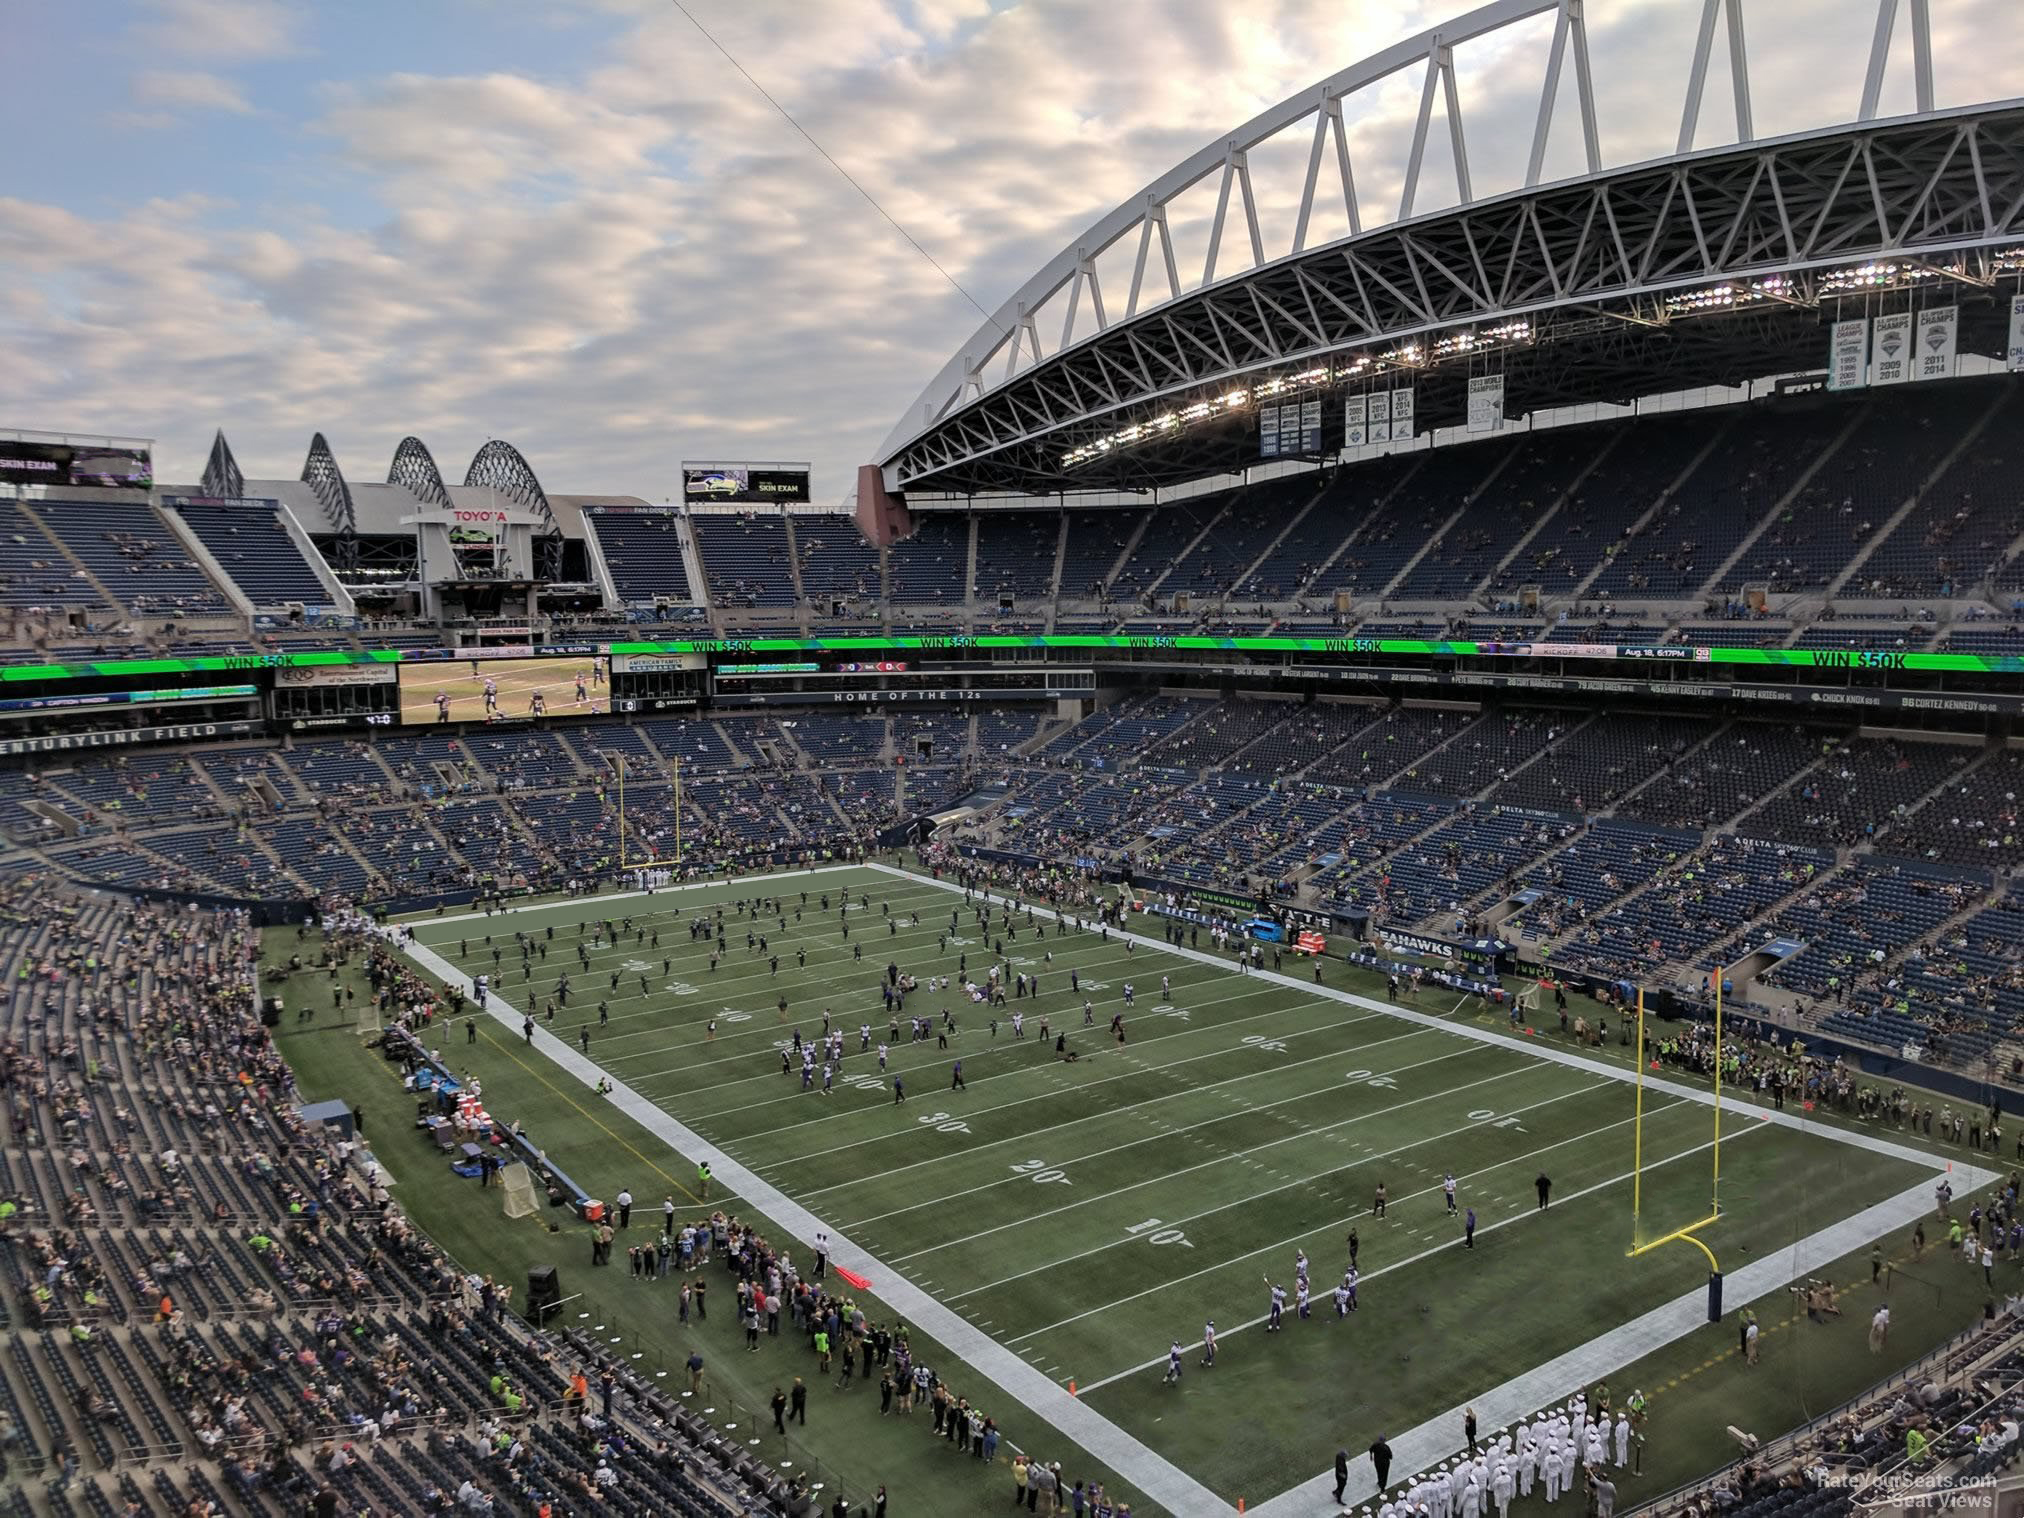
x=1705, y=267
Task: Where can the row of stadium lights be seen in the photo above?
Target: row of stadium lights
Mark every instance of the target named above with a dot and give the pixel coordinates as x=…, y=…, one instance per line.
x=1364, y=366
x=1858, y=280
x=1723, y=297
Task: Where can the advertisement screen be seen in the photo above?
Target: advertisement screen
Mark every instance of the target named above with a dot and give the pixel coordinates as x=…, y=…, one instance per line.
x=738, y=483
x=14, y=704
x=76, y=464
x=503, y=690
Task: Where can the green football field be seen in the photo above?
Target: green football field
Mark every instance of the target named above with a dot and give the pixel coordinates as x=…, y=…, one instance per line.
x=1071, y=1218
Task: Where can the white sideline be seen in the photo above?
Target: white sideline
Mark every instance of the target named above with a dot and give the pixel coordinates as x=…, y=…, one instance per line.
x=1207, y=1212
x=1333, y=1088
x=1437, y=1438
x=1428, y=1253
x=1572, y=1061
x=1414, y=1450
x=1152, y=1473
x=666, y=890
x=1278, y=1244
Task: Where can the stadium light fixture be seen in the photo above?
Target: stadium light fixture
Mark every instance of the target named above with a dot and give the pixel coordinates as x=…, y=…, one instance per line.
x=1887, y=274
x=1411, y=355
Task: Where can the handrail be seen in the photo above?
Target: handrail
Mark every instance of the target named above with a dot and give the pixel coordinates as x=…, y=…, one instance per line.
x=1786, y=1444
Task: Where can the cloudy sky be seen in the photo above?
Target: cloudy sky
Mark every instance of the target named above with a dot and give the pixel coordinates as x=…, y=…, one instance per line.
x=572, y=224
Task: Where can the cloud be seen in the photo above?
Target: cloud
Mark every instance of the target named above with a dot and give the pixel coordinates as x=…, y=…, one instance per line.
x=222, y=31
x=189, y=90
x=621, y=262
x=447, y=136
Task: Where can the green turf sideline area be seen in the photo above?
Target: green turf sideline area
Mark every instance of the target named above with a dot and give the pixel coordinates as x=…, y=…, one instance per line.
x=1082, y=1215
x=844, y=1443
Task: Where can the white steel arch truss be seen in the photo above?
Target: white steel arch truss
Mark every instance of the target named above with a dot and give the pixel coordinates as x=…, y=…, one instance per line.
x=1931, y=183
x=1931, y=188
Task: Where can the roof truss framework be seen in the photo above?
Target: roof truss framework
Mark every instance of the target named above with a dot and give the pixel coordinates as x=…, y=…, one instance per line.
x=321, y=474
x=222, y=479
x=1932, y=187
x=1589, y=357
x=500, y=466
x=414, y=469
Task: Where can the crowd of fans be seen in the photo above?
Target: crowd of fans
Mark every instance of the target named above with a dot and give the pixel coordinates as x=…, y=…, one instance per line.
x=219, y=1299
x=1414, y=814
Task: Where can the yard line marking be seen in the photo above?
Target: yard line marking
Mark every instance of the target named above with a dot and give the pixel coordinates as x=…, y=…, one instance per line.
x=734, y=979
x=1135, y=1462
x=1475, y=1034
x=1081, y=1089
x=1041, y=1096
x=1251, y=1197
x=905, y=1069
x=694, y=885
x=1428, y=1253
x=1736, y=1099
x=1136, y=1109
x=774, y=1010
x=1132, y=1144
x=1523, y=1395
x=937, y=1061
x=618, y=951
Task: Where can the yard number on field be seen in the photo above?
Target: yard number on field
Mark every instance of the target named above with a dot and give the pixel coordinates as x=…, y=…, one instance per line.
x=1485, y=1115
x=1040, y=1172
x=1153, y=1232
x=941, y=1122
x=1364, y=1077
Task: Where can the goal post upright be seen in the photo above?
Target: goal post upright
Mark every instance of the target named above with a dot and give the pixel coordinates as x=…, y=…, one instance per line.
x=625, y=859
x=1637, y=1129
x=618, y=763
x=1688, y=1234
x=1715, y=1186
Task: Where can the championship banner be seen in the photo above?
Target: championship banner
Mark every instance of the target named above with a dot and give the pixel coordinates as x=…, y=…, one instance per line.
x=1380, y=417
x=1310, y=426
x=1938, y=328
x=1891, y=347
x=1353, y=433
x=2013, y=354
x=1486, y=403
x=1402, y=414
x=1268, y=432
x=1848, y=355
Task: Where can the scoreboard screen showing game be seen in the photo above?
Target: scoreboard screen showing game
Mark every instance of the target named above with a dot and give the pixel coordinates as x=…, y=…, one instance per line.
x=101, y=466
x=504, y=690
